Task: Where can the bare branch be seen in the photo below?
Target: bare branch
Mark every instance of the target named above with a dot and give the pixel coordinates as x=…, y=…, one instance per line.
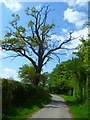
x=12, y=56
x=57, y=57
x=59, y=47
x=29, y=58
x=68, y=48
x=48, y=59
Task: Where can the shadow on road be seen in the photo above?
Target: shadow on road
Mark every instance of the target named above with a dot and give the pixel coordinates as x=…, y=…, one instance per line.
x=56, y=104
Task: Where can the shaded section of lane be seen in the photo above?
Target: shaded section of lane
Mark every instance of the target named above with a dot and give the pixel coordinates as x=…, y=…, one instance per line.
x=57, y=108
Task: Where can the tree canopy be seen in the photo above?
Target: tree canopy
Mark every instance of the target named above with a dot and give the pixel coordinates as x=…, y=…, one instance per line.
x=71, y=77
x=33, y=42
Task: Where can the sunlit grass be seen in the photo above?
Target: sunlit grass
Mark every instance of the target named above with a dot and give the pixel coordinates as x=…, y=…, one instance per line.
x=77, y=109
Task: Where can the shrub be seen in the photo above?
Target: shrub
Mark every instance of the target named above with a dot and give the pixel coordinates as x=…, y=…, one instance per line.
x=16, y=93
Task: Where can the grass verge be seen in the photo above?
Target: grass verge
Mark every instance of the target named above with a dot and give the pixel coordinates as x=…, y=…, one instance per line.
x=25, y=111
x=77, y=109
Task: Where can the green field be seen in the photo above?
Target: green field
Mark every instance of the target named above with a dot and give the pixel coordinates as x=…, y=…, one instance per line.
x=77, y=109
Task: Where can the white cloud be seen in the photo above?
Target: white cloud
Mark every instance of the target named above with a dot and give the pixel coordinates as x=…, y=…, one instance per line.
x=9, y=73
x=12, y=5
x=64, y=30
x=76, y=34
x=79, y=34
x=75, y=17
x=38, y=7
x=75, y=3
x=0, y=48
x=57, y=38
x=73, y=44
x=2, y=54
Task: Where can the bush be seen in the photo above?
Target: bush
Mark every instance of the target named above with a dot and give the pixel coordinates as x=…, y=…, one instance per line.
x=16, y=93
x=42, y=94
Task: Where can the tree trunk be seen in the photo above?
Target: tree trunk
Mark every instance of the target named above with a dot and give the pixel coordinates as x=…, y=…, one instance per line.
x=37, y=78
x=36, y=82
x=38, y=69
x=81, y=92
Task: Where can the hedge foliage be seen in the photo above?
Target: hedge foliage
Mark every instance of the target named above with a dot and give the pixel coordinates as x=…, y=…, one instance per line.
x=16, y=93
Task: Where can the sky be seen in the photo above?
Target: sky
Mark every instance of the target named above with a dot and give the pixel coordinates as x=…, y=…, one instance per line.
x=67, y=16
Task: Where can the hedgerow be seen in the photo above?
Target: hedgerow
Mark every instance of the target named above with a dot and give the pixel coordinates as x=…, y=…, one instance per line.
x=16, y=93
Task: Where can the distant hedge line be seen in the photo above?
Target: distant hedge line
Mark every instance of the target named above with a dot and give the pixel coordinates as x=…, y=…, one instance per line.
x=16, y=93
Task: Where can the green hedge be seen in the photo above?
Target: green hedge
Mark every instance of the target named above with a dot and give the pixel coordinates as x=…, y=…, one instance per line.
x=16, y=93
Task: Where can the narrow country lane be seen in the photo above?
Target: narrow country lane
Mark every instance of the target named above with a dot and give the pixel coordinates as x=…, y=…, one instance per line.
x=57, y=108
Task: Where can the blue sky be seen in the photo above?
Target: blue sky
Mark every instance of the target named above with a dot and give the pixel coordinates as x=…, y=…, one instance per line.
x=67, y=16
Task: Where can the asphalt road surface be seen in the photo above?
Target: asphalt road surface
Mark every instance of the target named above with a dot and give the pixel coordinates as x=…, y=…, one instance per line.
x=57, y=108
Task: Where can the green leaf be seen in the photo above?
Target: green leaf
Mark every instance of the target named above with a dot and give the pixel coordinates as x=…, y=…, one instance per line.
x=8, y=34
x=30, y=23
x=13, y=15
x=22, y=29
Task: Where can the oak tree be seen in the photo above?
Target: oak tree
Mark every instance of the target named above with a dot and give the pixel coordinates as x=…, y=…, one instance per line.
x=34, y=43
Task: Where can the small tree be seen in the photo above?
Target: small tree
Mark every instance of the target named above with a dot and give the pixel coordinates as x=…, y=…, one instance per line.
x=34, y=42
x=27, y=74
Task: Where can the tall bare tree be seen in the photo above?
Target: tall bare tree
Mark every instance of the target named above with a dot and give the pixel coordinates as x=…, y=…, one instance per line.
x=35, y=44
